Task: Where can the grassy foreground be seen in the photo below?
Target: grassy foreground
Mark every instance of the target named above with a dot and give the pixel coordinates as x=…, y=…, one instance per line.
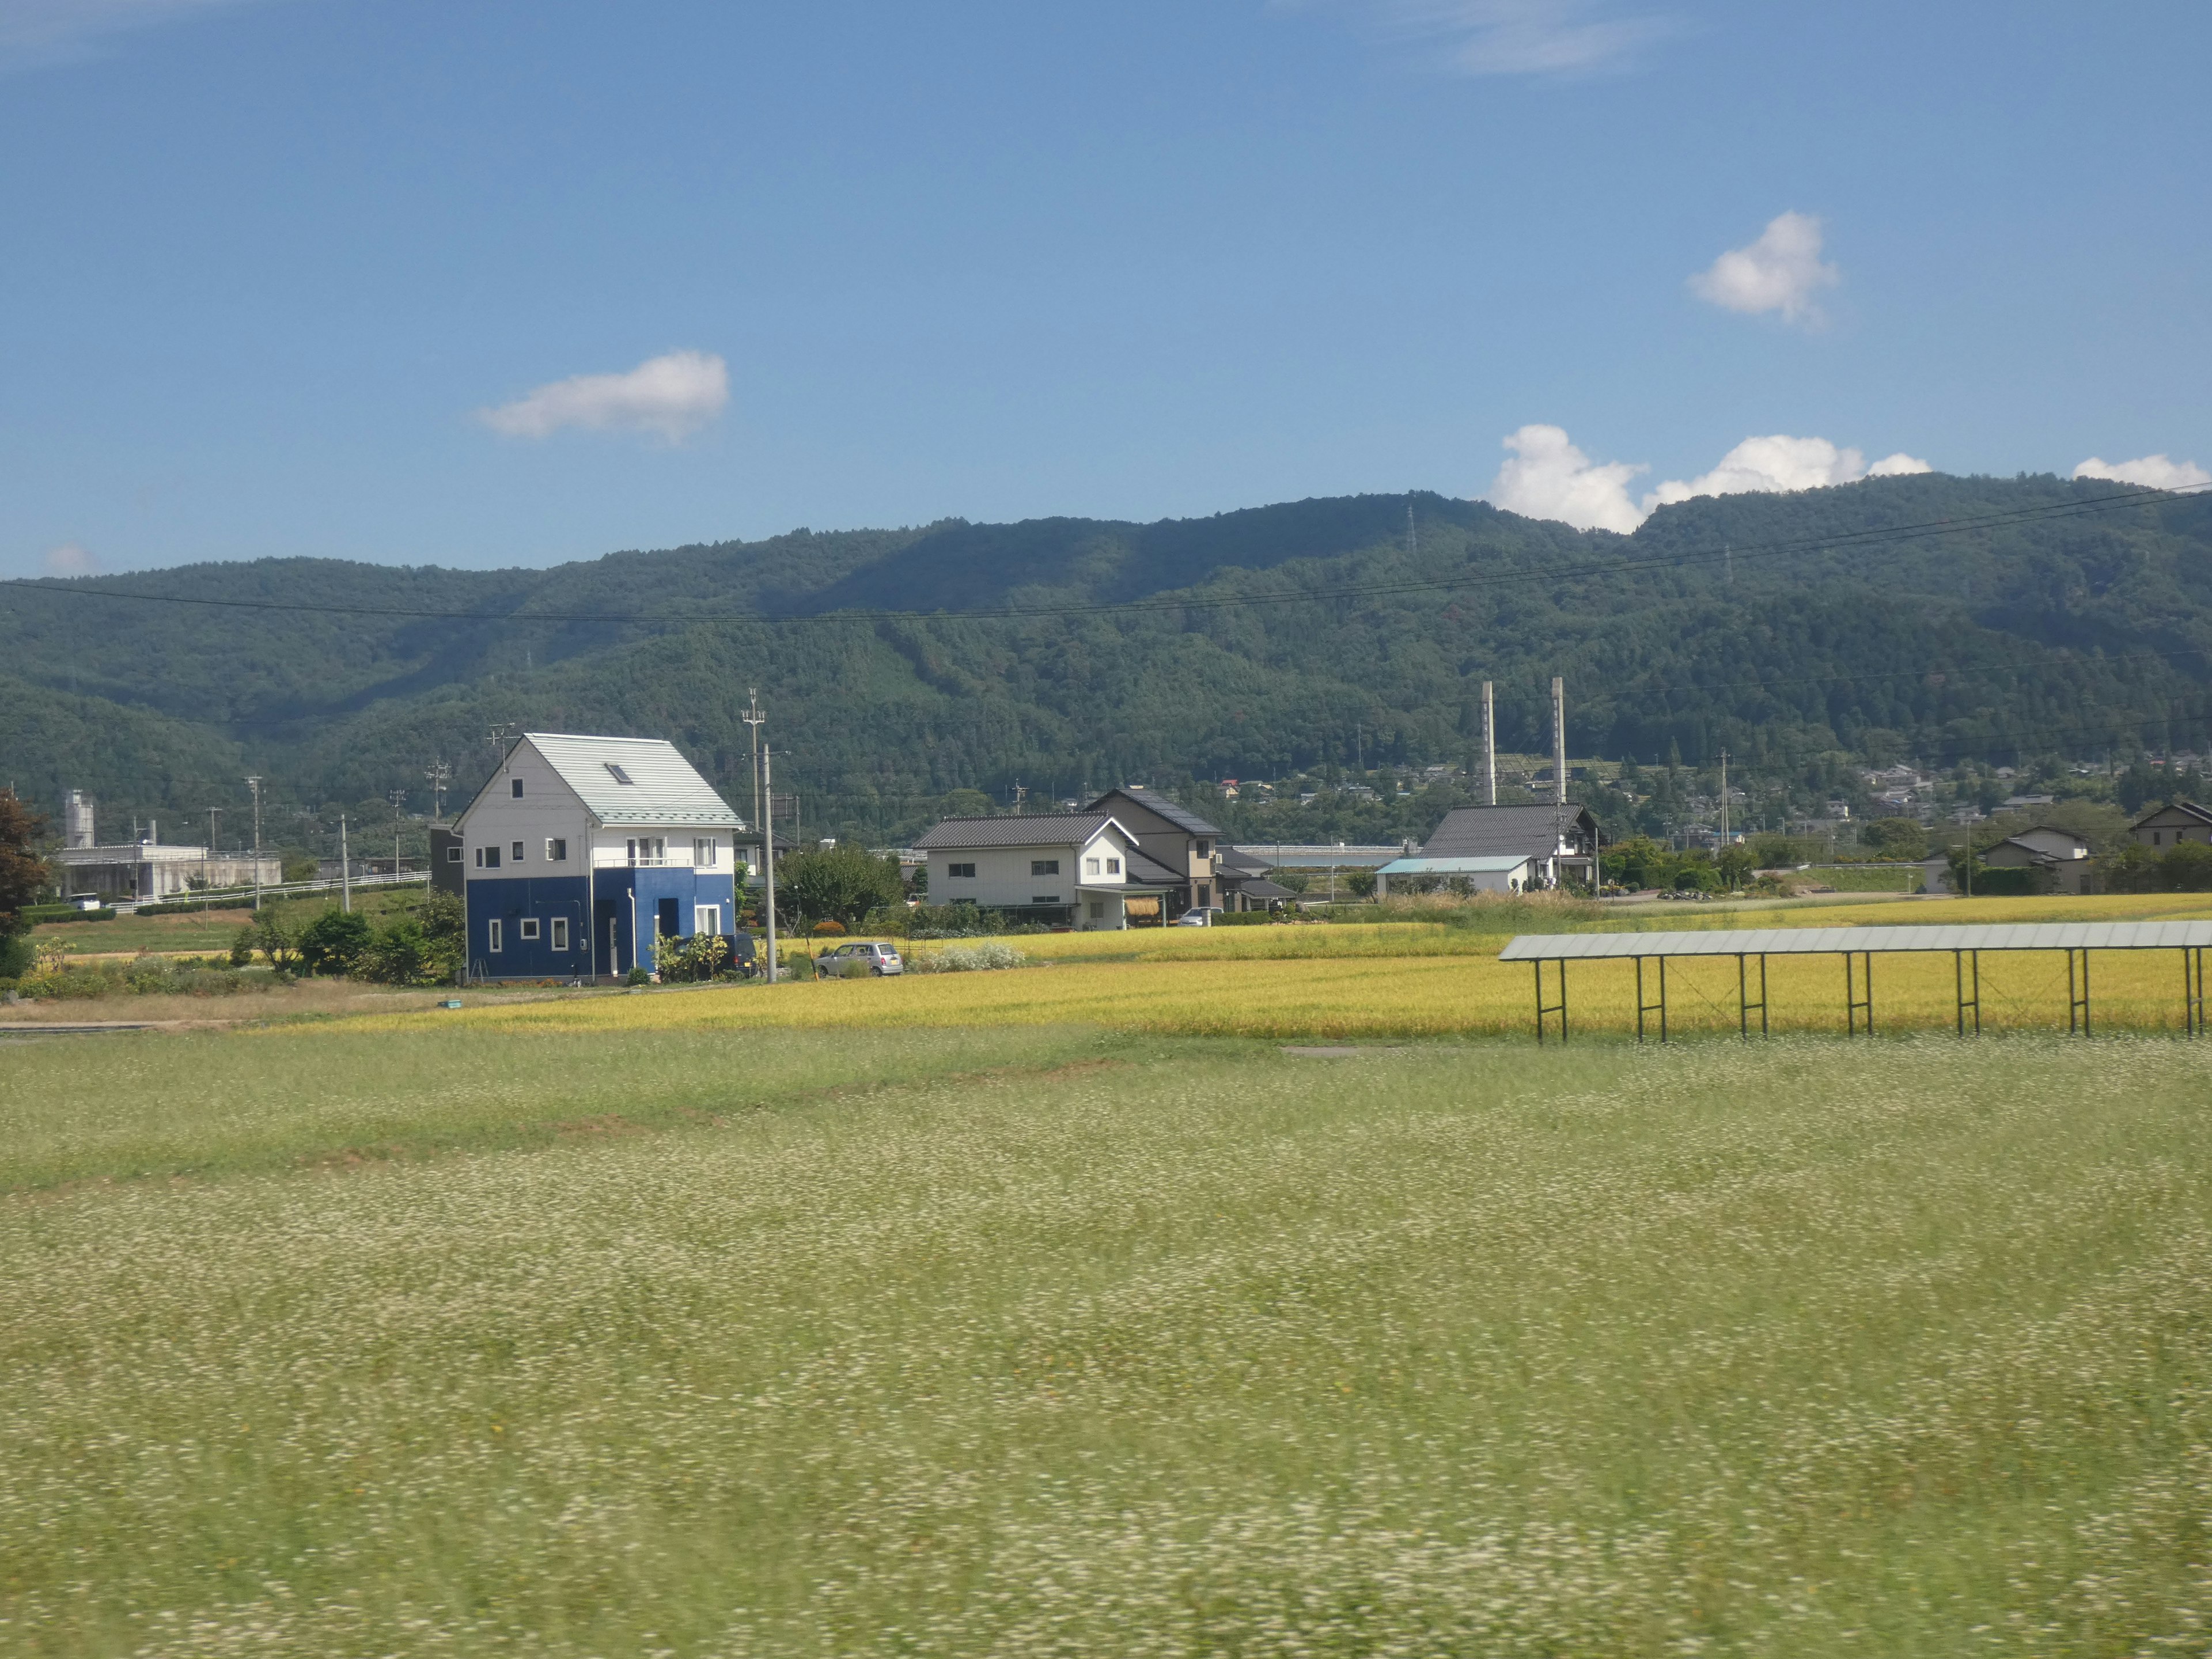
x=1903, y=1348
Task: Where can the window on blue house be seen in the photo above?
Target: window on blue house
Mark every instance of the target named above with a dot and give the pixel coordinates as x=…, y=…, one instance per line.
x=495, y=936
x=487, y=858
x=560, y=932
x=556, y=850
x=530, y=927
x=517, y=850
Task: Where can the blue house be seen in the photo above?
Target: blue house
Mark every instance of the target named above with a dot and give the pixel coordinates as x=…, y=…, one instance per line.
x=581, y=850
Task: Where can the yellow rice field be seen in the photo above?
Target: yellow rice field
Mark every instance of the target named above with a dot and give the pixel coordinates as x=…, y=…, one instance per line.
x=1415, y=981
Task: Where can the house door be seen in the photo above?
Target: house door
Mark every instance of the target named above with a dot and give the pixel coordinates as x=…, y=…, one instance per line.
x=666, y=910
x=607, y=925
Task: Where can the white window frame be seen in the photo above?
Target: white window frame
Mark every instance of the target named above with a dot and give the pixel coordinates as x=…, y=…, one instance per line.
x=453, y=854
x=1091, y=866
x=706, y=918
x=556, y=850
x=527, y=930
x=495, y=936
x=1113, y=867
x=705, y=851
x=487, y=858
x=559, y=940
x=960, y=871
x=647, y=852
x=1044, y=866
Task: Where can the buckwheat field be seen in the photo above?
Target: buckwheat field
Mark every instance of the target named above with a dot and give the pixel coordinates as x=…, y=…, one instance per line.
x=535, y=1336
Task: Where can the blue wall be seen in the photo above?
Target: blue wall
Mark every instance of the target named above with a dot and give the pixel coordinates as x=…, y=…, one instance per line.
x=510, y=899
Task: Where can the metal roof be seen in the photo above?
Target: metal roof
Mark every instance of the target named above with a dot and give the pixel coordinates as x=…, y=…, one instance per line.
x=1317, y=855
x=1037, y=830
x=1808, y=941
x=1174, y=812
x=664, y=788
x=1469, y=832
x=1504, y=863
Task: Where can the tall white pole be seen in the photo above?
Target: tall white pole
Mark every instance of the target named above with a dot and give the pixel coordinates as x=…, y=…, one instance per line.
x=1559, y=742
x=1490, y=743
x=768, y=854
x=255, y=784
x=345, y=865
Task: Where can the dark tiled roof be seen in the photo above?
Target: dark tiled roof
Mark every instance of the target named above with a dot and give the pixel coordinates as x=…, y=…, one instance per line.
x=1481, y=832
x=1182, y=817
x=1037, y=829
x=1142, y=869
x=1264, y=890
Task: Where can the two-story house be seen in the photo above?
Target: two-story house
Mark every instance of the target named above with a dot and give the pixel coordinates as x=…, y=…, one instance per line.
x=2171, y=825
x=1205, y=874
x=1081, y=870
x=580, y=850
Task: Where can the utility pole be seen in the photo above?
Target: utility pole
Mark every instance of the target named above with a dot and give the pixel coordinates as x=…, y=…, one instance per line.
x=254, y=784
x=207, y=865
x=1559, y=767
x=1724, y=812
x=345, y=866
x=768, y=857
x=1490, y=743
x=1021, y=795
x=438, y=774
x=398, y=797
x=753, y=717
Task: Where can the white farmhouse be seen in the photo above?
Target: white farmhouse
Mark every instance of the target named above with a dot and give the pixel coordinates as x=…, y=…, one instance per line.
x=1081, y=870
x=579, y=851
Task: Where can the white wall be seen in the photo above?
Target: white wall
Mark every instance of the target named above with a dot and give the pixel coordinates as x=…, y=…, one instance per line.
x=548, y=808
x=1002, y=877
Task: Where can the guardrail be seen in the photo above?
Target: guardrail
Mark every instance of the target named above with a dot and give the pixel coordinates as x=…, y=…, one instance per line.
x=228, y=897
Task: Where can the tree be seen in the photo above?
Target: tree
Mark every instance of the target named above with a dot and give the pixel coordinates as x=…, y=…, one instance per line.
x=835, y=884
x=1894, y=838
x=1736, y=865
x=335, y=942
x=23, y=873
x=276, y=947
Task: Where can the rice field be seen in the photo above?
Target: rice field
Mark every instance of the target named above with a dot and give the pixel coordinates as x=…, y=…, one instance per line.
x=364, y=1340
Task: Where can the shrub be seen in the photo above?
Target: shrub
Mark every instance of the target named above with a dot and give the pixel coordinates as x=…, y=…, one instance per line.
x=17, y=953
x=241, y=947
x=970, y=958
x=699, y=956
x=828, y=930
x=638, y=976
x=335, y=942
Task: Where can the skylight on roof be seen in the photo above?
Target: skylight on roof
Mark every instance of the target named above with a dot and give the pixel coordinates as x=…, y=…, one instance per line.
x=620, y=776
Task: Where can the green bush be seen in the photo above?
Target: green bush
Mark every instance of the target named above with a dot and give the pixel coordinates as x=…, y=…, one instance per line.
x=183, y=906
x=17, y=953
x=37, y=913
x=335, y=942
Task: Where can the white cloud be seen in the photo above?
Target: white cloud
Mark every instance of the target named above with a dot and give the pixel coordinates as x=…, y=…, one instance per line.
x=50, y=31
x=1549, y=478
x=2157, y=472
x=1897, y=466
x=71, y=560
x=673, y=395
x=1781, y=271
x=1521, y=37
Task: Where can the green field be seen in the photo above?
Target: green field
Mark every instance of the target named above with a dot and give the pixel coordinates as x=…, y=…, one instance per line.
x=460, y=1339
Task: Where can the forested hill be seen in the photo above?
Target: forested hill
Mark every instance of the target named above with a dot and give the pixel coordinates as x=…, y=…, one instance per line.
x=1931, y=616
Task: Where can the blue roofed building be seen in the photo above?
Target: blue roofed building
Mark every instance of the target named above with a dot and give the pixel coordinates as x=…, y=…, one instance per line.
x=581, y=850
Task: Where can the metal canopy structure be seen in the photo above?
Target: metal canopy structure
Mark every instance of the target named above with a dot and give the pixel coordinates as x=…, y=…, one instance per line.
x=1965, y=943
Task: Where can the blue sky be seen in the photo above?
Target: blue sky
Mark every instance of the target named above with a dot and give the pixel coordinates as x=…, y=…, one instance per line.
x=294, y=277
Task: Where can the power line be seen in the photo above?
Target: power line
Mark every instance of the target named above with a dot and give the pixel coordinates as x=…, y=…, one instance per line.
x=1878, y=536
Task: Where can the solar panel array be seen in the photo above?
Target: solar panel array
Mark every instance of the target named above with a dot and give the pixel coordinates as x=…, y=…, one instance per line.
x=1812, y=941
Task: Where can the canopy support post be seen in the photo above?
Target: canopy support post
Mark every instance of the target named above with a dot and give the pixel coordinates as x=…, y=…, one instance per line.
x=1643, y=1008
x=2077, y=1003
x=1968, y=1002
x=1744, y=1005
x=1854, y=1004
x=1558, y=1007
x=2192, y=990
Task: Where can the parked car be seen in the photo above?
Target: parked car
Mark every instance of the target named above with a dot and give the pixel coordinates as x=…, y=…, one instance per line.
x=880, y=959
x=1199, y=915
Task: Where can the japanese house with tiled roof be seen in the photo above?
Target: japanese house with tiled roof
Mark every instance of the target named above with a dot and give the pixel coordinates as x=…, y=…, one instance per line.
x=581, y=850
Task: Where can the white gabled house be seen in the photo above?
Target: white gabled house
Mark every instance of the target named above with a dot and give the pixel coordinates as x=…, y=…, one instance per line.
x=580, y=849
x=1081, y=870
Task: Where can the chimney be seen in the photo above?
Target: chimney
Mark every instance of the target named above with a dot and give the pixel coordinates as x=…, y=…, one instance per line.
x=1559, y=742
x=1490, y=743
